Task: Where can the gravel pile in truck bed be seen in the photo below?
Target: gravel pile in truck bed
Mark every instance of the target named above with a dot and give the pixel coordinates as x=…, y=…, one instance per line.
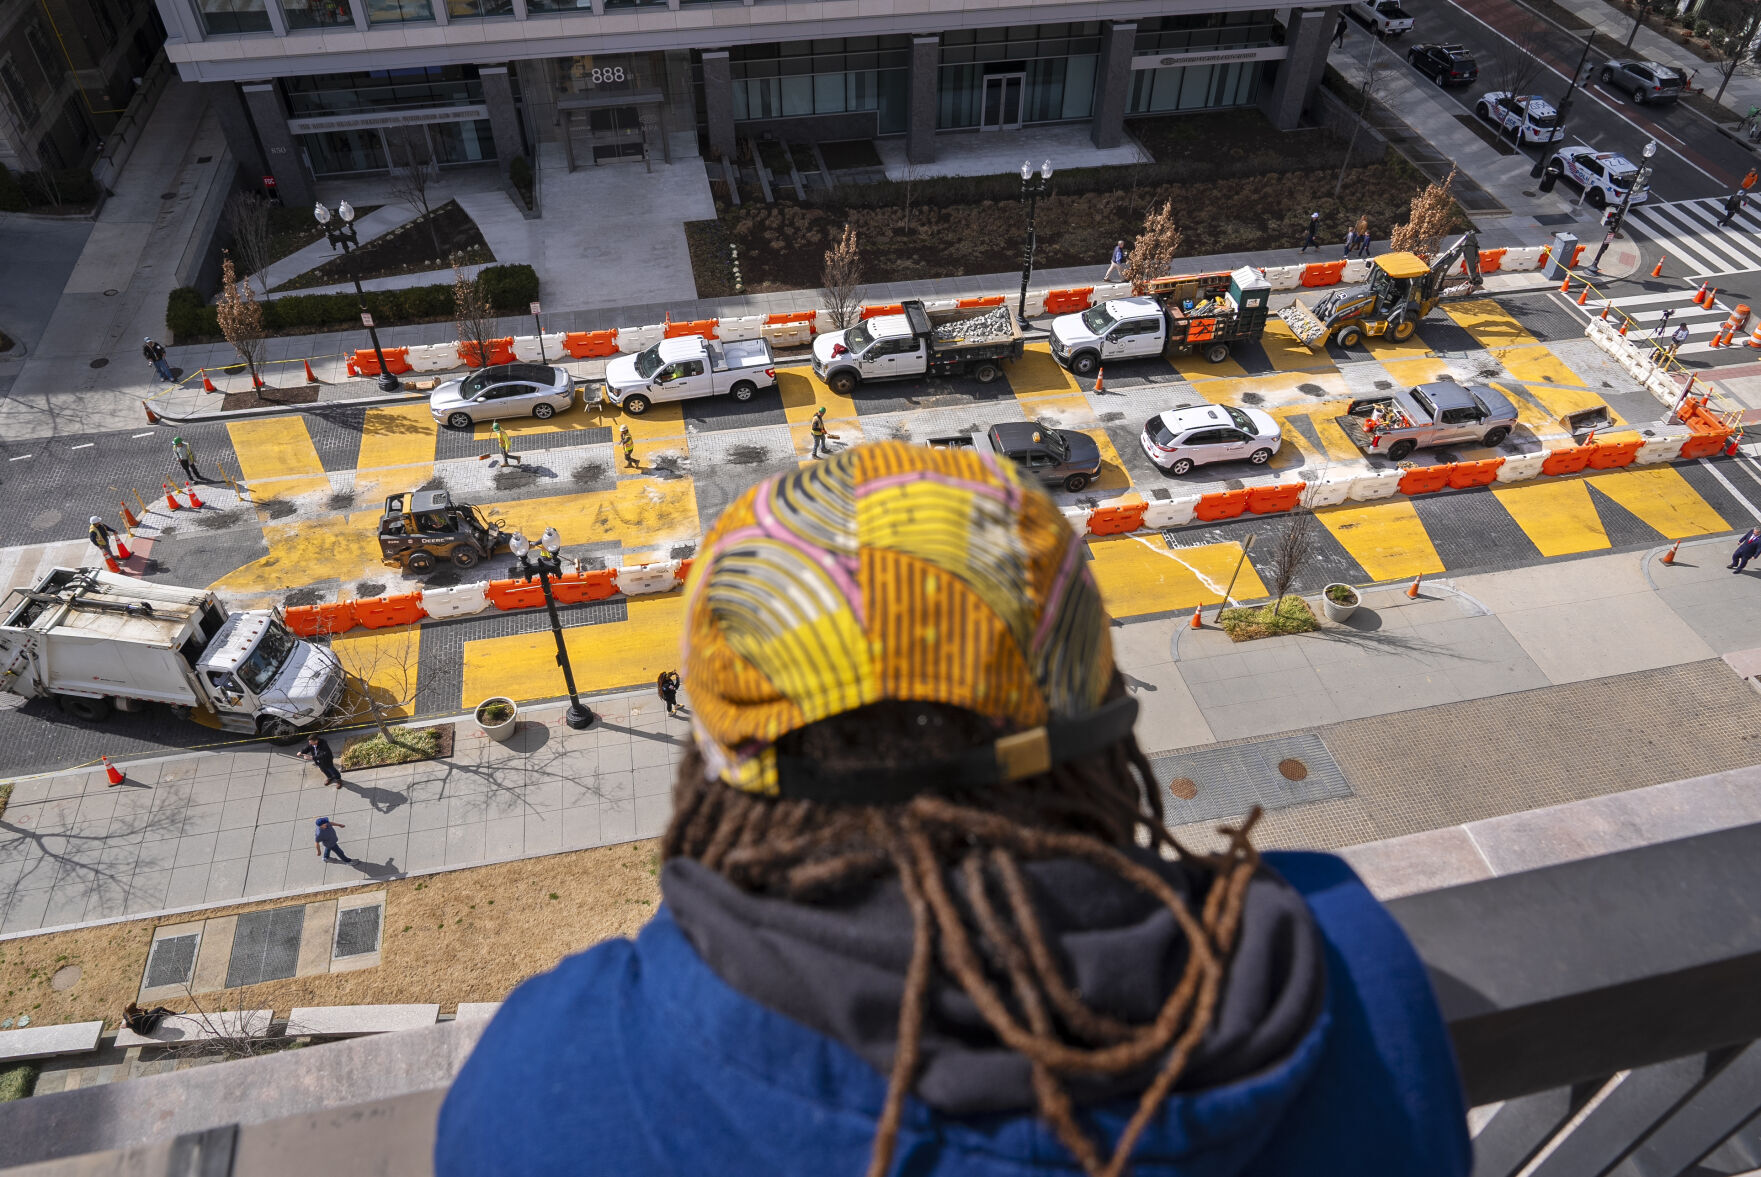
x=995, y=324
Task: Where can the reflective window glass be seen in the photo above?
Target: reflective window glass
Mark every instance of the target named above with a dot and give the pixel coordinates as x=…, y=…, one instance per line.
x=220, y=17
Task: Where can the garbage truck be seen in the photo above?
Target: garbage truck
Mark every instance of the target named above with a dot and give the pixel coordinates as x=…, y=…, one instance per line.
x=96, y=642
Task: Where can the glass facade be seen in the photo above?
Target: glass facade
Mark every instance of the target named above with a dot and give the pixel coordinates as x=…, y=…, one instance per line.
x=399, y=12
x=1205, y=30
x=232, y=16
x=1195, y=87
x=471, y=142
x=467, y=9
x=333, y=152
x=837, y=76
x=53, y=64
x=24, y=103
x=1022, y=74
x=317, y=14
x=393, y=89
x=559, y=5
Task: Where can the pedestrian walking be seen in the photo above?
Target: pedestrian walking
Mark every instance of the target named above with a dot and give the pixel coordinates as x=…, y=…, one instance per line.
x=1360, y=233
x=155, y=354
x=629, y=444
x=1747, y=549
x=186, y=457
x=1118, y=263
x=1733, y=204
x=317, y=750
x=817, y=428
x=101, y=534
x=667, y=687
x=324, y=841
x=506, y=443
x=1339, y=32
x=1312, y=241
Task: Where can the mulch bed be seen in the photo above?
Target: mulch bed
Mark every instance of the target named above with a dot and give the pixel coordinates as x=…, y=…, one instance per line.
x=416, y=247
x=263, y=398
x=443, y=749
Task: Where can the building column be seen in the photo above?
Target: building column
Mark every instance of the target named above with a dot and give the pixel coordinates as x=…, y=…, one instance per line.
x=504, y=117
x=926, y=64
x=293, y=183
x=718, y=101
x=1113, y=84
x=235, y=124
x=1306, y=41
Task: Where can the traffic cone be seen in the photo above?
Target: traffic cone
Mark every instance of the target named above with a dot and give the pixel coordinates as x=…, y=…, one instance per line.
x=171, y=499
x=112, y=773
x=1197, y=622
x=1700, y=296
x=190, y=490
x=310, y=379
x=1754, y=340
x=1584, y=294
x=1657, y=270
x=122, y=552
x=152, y=417
x=1623, y=326
x=207, y=384
x=1565, y=286
x=1100, y=377
x=128, y=517
x=257, y=381
x=1607, y=305
x=1730, y=450
x=1669, y=556
x=1412, y=590
x=1711, y=298
x=110, y=563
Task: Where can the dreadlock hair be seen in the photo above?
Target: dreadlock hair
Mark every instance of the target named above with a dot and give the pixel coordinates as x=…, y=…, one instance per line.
x=1089, y=810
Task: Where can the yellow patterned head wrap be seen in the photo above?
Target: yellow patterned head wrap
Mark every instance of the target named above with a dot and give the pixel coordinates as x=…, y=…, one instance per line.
x=887, y=572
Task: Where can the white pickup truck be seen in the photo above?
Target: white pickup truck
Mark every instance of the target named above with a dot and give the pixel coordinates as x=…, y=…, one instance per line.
x=689, y=366
x=1385, y=18
x=95, y=641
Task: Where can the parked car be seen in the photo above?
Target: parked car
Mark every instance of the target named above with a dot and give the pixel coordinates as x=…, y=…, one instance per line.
x=1646, y=81
x=503, y=390
x=1528, y=118
x=1446, y=65
x=1197, y=435
x=1440, y=413
x=1385, y=18
x=1604, y=176
x=1055, y=457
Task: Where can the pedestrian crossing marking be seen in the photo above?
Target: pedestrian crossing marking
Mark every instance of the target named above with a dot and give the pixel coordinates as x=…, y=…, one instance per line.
x=1558, y=517
x=1385, y=348
x=1386, y=538
x=612, y=656
x=1662, y=500
x=1113, y=478
x=276, y=458
x=385, y=660
x=1295, y=452
x=1688, y=231
x=803, y=392
x=1198, y=369
x=397, y=451
x=1141, y=574
x=1489, y=324
x=1418, y=370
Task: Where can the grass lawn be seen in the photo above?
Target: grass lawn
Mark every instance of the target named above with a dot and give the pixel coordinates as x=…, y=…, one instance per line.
x=1291, y=615
x=415, y=247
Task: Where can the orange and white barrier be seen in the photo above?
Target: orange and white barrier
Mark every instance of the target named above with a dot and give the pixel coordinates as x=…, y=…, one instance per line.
x=635, y=339
x=527, y=350
x=1175, y=513
x=462, y=600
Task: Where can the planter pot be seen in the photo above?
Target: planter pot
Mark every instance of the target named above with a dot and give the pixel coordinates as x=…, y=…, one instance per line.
x=498, y=729
x=1336, y=610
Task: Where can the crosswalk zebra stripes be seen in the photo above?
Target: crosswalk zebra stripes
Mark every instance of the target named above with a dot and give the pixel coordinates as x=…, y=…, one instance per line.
x=1649, y=321
x=1688, y=231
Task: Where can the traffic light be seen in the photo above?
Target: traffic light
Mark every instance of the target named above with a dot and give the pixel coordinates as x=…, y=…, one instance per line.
x=1610, y=218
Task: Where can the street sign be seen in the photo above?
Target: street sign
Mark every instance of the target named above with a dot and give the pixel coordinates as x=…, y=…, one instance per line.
x=535, y=309
x=366, y=319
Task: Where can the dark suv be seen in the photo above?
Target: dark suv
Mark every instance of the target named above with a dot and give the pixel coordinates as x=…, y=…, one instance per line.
x=1646, y=81
x=1447, y=65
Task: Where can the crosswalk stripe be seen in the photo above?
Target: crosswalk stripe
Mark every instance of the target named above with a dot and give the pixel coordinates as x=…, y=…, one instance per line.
x=1689, y=230
x=1680, y=241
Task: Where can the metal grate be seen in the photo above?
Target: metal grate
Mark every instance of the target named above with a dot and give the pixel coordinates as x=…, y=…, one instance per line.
x=357, y=931
x=265, y=946
x=172, y=960
x=1229, y=781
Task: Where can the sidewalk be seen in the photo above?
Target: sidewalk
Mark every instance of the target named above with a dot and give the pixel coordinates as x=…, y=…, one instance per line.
x=1486, y=696
x=1743, y=91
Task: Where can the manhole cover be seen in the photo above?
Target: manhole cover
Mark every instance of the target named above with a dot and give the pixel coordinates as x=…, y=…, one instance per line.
x=65, y=978
x=100, y=362
x=1292, y=769
x=357, y=931
x=1183, y=788
x=171, y=961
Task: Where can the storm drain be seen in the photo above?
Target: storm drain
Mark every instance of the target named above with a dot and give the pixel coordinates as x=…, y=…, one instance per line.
x=172, y=961
x=265, y=946
x=1227, y=782
x=357, y=931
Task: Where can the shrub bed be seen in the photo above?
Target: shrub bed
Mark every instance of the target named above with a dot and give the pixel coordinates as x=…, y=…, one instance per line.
x=1291, y=615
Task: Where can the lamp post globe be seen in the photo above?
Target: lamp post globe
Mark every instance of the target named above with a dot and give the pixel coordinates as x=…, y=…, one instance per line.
x=545, y=562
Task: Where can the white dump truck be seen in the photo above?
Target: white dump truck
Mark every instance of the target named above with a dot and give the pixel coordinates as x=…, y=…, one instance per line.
x=94, y=641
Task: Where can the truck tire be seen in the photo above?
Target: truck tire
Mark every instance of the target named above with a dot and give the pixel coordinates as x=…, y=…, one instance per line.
x=458, y=421
x=277, y=730
x=986, y=372
x=636, y=405
x=463, y=557
x=83, y=709
x=1401, y=450
x=419, y=563
x=1349, y=335
x=842, y=383
x=1401, y=328
x=743, y=391
x=1216, y=353
x=1496, y=436
x=1084, y=363
x=544, y=412
x=1075, y=482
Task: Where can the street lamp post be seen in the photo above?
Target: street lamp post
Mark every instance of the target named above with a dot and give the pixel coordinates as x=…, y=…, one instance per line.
x=345, y=237
x=544, y=564
x=1032, y=188
x=1648, y=153
x=1565, y=103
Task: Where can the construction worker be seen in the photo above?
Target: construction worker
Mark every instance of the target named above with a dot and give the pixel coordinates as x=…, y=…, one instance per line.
x=629, y=444
x=101, y=534
x=817, y=428
x=186, y=457
x=506, y=443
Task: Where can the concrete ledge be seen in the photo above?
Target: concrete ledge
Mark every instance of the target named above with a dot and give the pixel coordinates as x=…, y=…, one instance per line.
x=240, y=1023
x=476, y=1011
x=342, y=1020
x=49, y=1041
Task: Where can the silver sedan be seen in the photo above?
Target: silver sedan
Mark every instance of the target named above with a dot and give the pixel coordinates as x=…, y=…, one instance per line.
x=503, y=390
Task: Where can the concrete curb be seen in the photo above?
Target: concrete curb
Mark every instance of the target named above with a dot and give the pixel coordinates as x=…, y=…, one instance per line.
x=283, y=410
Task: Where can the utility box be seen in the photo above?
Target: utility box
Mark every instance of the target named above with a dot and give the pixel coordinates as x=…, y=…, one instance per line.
x=1565, y=247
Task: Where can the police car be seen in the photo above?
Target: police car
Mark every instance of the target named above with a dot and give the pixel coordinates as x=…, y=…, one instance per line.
x=1604, y=176
x=1528, y=118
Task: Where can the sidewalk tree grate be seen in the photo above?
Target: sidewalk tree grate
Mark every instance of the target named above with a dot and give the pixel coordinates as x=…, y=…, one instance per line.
x=172, y=960
x=357, y=931
x=1227, y=782
x=265, y=946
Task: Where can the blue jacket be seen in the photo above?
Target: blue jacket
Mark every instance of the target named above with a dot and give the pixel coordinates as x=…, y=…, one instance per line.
x=634, y=1058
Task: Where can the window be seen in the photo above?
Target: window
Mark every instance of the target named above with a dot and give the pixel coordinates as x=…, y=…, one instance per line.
x=1204, y=31
x=53, y=64
x=1207, y=437
x=335, y=152
x=834, y=76
x=470, y=142
x=1195, y=87
x=468, y=9
x=220, y=17
x=395, y=12
x=396, y=89
x=24, y=104
x=317, y=14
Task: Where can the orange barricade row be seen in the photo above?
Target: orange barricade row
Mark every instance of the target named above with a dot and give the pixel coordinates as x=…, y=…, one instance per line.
x=501, y=351
x=1704, y=445
x=587, y=345
x=1270, y=500
x=1322, y=273
x=1567, y=461
x=1464, y=475
x=572, y=589
x=1491, y=260
x=683, y=571
x=1116, y=520
x=891, y=309
x=790, y=317
x=1424, y=480
x=1608, y=455
x=302, y=619
x=382, y=612
x=703, y=327
x=990, y=300
x=1223, y=505
x=514, y=594
x=1063, y=302
x=365, y=363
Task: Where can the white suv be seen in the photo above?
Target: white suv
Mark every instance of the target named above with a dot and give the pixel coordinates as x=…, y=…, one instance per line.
x=1196, y=435
x=1604, y=176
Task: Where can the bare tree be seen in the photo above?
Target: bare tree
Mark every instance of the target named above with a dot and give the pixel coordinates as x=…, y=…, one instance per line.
x=909, y=180
x=1517, y=56
x=1155, y=248
x=472, y=314
x=843, y=279
x=381, y=673
x=241, y=318
x=1433, y=211
x=412, y=182
x=248, y=215
x=1293, y=550
x=226, y=1033
x=1731, y=40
